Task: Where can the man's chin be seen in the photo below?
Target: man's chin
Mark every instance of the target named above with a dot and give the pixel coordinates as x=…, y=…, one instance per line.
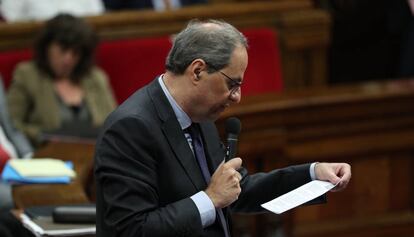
x=213, y=117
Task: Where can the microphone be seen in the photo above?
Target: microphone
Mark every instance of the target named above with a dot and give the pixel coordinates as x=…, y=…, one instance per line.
x=233, y=127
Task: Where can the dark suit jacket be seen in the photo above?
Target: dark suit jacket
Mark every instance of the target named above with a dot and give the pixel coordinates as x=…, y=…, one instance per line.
x=141, y=4
x=146, y=173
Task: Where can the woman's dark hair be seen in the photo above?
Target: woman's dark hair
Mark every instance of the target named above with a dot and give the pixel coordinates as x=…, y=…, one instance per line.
x=68, y=32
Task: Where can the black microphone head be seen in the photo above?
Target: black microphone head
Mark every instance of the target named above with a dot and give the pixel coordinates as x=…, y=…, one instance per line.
x=233, y=126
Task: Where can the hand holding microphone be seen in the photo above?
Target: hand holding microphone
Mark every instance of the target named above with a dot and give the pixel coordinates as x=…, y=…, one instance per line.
x=224, y=187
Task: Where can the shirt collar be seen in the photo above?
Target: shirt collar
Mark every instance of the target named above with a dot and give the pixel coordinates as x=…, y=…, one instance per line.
x=182, y=117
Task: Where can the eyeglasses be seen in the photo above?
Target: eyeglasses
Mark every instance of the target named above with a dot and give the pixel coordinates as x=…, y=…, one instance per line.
x=233, y=85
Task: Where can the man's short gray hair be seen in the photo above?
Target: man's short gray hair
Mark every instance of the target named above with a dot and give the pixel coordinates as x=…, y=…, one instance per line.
x=213, y=43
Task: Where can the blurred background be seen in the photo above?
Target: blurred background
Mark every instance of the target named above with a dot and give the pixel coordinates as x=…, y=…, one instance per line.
x=328, y=80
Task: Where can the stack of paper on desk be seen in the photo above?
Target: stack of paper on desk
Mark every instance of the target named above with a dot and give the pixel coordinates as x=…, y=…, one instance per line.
x=46, y=167
x=38, y=171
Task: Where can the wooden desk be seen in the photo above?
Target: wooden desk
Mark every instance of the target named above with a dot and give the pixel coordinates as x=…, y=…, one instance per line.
x=81, y=154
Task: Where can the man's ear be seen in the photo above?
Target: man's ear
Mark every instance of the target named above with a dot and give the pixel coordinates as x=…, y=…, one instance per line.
x=197, y=74
x=196, y=67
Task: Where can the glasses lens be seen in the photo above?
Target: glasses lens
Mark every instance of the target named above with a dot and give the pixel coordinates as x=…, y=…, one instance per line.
x=232, y=85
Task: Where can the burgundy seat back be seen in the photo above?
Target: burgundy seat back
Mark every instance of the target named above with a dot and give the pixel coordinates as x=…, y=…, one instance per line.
x=264, y=73
x=8, y=61
x=130, y=64
x=133, y=63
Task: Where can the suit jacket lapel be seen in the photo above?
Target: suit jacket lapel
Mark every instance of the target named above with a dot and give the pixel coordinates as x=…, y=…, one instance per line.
x=175, y=135
x=214, y=152
x=183, y=153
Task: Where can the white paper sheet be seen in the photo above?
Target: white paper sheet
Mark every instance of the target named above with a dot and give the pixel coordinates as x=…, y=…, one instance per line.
x=298, y=196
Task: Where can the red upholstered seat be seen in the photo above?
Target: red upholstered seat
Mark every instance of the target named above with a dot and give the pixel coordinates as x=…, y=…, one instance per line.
x=8, y=61
x=130, y=64
x=133, y=63
x=264, y=73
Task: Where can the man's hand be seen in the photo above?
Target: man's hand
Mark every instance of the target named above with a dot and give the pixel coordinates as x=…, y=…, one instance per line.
x=334, y=173
x=224, y=187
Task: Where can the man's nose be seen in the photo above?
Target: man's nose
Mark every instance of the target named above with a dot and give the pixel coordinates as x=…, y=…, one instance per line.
x=235, y=96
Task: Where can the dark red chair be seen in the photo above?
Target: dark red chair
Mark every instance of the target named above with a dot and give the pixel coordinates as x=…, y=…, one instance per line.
x=130, y=64
x=8, y=61
x=263, y=73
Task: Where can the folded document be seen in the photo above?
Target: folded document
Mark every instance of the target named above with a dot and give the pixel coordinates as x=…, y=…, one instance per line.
x=45, y=167
x=10, y=175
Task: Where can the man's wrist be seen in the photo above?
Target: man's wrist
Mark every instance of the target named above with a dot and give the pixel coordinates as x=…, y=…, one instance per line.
x=205, y=207
x=312, y=170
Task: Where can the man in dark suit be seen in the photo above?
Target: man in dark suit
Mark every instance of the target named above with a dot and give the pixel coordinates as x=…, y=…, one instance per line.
x=149, y=4
x=159, y=163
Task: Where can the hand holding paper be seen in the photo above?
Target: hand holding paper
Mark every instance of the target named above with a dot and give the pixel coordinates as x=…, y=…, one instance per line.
x=336, y=173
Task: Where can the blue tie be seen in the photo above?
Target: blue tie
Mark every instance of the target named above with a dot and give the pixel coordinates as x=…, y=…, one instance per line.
x=198, y=150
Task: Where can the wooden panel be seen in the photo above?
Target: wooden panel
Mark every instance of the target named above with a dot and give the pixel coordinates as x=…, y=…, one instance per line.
x=402, y=170
x=129, y=24
x=370, y=126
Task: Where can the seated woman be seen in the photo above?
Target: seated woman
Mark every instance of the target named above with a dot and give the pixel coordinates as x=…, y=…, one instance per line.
x=61, y=87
